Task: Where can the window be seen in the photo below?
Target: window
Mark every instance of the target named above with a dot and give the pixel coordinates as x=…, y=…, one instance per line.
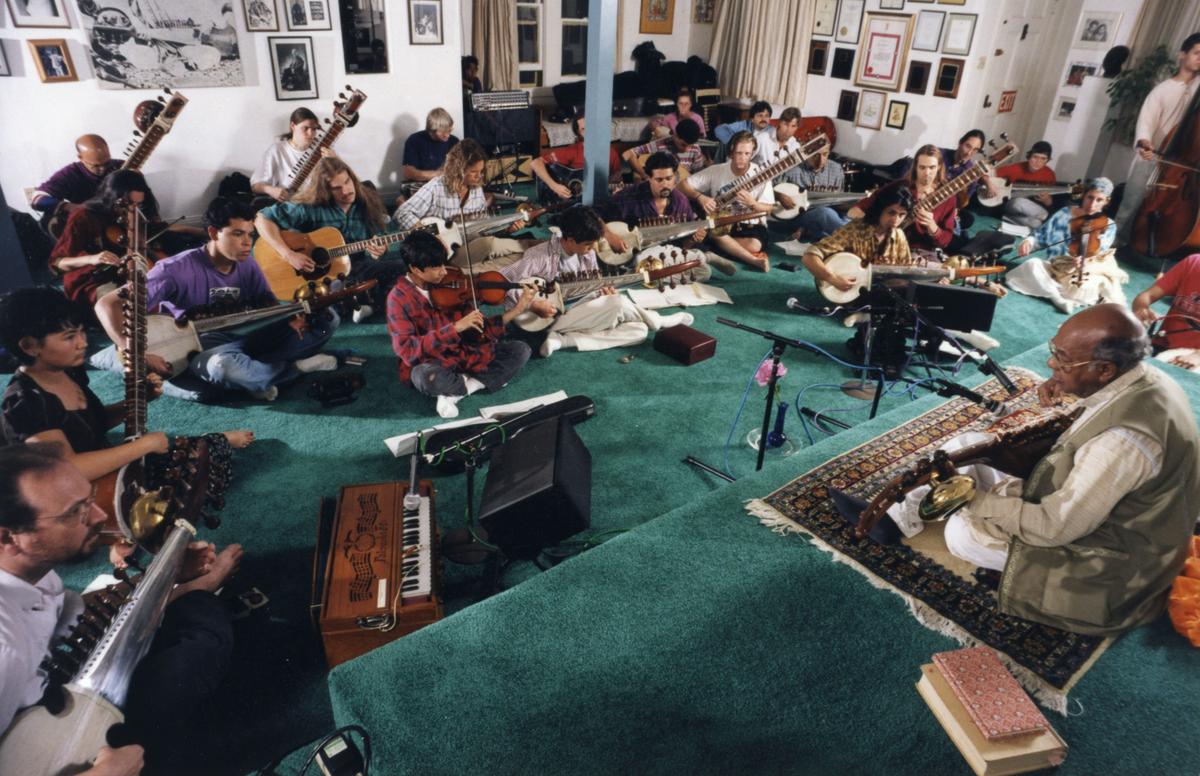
x=529, y=41
x=574, y=37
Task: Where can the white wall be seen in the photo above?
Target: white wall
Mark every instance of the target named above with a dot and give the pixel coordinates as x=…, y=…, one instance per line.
x=223, y=129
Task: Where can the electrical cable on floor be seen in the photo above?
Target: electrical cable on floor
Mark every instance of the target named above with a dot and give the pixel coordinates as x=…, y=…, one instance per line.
x=738, y=415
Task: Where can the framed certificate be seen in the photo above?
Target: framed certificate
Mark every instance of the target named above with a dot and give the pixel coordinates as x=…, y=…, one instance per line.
x=883, y=51
x=928, y=35
x=870, y=110
x=825, y=17
x=849, y=21
x=960, y=30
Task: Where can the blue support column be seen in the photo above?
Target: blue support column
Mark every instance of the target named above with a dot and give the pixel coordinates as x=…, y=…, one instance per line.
x=14, y=271
x=601, y=53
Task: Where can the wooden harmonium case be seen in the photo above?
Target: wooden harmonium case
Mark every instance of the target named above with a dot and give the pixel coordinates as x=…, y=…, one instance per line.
x=685, y=344
x=376, y=569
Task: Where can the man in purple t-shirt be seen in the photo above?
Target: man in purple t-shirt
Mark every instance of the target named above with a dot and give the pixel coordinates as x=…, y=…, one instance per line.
x=222, y=272
x=78, y=181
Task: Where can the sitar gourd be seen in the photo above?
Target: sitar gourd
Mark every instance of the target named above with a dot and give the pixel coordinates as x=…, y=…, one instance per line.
x=153, y=119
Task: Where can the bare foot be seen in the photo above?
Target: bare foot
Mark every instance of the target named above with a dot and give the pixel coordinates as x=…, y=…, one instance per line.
x=759, y=261
x=218, y=573
x=239, y=439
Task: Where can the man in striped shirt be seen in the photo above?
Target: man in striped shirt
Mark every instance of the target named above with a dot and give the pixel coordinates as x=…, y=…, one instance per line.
x=681, y=143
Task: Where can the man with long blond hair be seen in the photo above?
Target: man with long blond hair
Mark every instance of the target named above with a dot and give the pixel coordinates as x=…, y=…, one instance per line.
x=929, y=229
x=459, y=190
x=335, y=197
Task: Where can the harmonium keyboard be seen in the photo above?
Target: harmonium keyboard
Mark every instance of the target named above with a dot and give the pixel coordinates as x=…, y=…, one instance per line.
x=376, y=568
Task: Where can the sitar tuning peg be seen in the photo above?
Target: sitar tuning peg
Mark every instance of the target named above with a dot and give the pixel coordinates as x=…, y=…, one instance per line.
x=167, y=89
x=349, y=88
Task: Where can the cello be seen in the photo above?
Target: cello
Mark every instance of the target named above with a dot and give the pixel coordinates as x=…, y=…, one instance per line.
x=1168, y=220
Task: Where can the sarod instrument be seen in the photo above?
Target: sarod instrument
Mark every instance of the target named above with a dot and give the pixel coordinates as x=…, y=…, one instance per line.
x=812, y=197
x=1006, y=191
x=658, y=231
x=863, y=273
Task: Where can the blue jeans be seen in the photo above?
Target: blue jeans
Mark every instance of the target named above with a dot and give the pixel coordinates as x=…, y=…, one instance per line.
x=433, y=379
x=820, y=221
x=225, y=361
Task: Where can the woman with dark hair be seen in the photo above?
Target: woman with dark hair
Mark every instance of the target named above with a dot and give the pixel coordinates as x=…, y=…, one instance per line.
x=929, y=229
x=49, y=399
x=685, y=100
x=876, y=237
x=274, y=172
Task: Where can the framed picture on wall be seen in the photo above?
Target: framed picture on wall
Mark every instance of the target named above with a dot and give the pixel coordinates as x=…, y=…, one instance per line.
x=849, y=21
x=818, y=53
x=425, y=22
x=928, y=35
x=307, y=14
x=843, y=64
x=847, y=105
x=294, y=67
x=891, y=5
x=870, y=109
x=1065, y=109
x=658, y=17
x=702, y=11
x=1096, y=30
x=825, y=17
x=884, y=50
x=949, y=77
x=366, y=49
x=261, y=16
x=952, y=2
x=918, y=77
x=897, y=115
x=960, y=31
x=53, y=60
x=3, y=61
x=38, y=13
x=1078, y=71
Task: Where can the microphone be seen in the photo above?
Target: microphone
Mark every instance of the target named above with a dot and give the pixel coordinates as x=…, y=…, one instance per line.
x=948, y=389
x=794, y=304
x=990, y=367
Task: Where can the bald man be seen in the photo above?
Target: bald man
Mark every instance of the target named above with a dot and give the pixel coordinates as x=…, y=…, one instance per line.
x=1092, y=539
x=78, y=181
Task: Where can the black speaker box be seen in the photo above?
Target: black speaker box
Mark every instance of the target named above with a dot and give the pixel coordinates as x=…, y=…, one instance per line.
x=504, y=129
x=955, y=307
x=538, y=490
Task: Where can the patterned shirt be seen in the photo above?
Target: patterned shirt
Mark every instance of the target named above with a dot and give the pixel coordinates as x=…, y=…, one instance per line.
x=1057, y=229
x=945, y=216
x=546, y=260
x=858, y=237
x=434, y=200
x=691, y=157
x=421, y=333
x=830, y=178
x=352, y=223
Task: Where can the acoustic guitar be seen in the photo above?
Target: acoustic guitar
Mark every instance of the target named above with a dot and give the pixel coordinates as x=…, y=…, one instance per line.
x=328, y=250
x=568, y=288
x=850, y=266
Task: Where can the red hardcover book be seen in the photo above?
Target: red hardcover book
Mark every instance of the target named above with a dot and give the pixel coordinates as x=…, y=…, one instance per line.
x=997, y=704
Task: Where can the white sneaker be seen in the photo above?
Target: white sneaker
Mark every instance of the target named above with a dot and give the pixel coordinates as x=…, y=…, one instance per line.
x=447, y=406
x=321, y=362
x=270, y=394
x=553, y=342
x=676, y=319
x=362, y=313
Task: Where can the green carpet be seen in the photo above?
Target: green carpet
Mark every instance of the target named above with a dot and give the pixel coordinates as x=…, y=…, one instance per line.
x=698, y=642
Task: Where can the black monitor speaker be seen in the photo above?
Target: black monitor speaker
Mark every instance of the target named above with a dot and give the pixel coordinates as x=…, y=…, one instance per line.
x=538, y=490
x=513, y=129
x=955, y=307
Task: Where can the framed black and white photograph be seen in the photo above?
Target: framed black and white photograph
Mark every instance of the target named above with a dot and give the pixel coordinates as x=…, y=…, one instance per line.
x=825, y=17
x=261, y=16
x=1065, y=109
x=928, y=34
x=364, y=37
x=294, y=67
x=1077, y=71
x=182, y=44
x=307, y=14
x=918, y=77
x=843, y=64
x=38, y=13
x=425, y=22
x=960, y=31
x=4, y=71
x=847, y=105
x=818, y=54
x=849, y=21
x=897, y=115
x=1097, y=30
x=53, y=60
x=870, y=109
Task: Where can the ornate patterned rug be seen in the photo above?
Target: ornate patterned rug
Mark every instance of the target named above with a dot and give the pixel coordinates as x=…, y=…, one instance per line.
x=1047, y=661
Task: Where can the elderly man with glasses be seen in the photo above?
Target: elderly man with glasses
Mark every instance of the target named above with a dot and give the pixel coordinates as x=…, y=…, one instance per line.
x=1091, y=540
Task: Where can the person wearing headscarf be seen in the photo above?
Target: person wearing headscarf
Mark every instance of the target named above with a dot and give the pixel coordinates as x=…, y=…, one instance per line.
x=1070, y=281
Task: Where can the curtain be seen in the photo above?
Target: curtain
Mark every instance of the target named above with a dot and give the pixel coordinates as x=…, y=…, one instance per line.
x=1163, y=22
x=494, y=42
x=760, y=49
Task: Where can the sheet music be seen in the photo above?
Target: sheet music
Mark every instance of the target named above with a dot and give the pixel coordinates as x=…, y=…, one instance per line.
x=690, y=295
x=793, y=247
x=406, y=444
x=522, y=406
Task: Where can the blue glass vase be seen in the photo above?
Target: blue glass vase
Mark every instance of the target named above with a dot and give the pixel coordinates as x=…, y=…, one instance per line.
x=776, y=437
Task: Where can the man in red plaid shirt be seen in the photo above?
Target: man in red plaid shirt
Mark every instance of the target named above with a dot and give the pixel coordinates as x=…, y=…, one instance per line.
x=430, y=343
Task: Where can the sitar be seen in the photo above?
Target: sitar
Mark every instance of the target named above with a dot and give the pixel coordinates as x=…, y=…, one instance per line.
x=154, y=119
x=345, y=114
x=959, y=183
x=753, y=178
x=1006, y=191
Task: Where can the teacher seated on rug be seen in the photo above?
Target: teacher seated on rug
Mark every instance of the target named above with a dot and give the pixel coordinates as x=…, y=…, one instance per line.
x=1091, y=541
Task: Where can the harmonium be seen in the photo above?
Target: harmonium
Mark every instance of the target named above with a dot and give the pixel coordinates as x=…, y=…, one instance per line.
x=376, y=567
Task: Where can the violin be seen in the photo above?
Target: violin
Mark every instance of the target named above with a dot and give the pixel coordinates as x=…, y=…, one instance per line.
x=1086, y=232
x=458, y=289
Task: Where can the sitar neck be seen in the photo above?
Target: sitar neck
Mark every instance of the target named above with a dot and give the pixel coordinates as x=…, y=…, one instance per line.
x=773, y=170
x=312, y=155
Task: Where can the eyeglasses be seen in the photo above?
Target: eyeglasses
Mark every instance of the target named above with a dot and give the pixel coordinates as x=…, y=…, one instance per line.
x=1063, y=365
x=81, y=511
